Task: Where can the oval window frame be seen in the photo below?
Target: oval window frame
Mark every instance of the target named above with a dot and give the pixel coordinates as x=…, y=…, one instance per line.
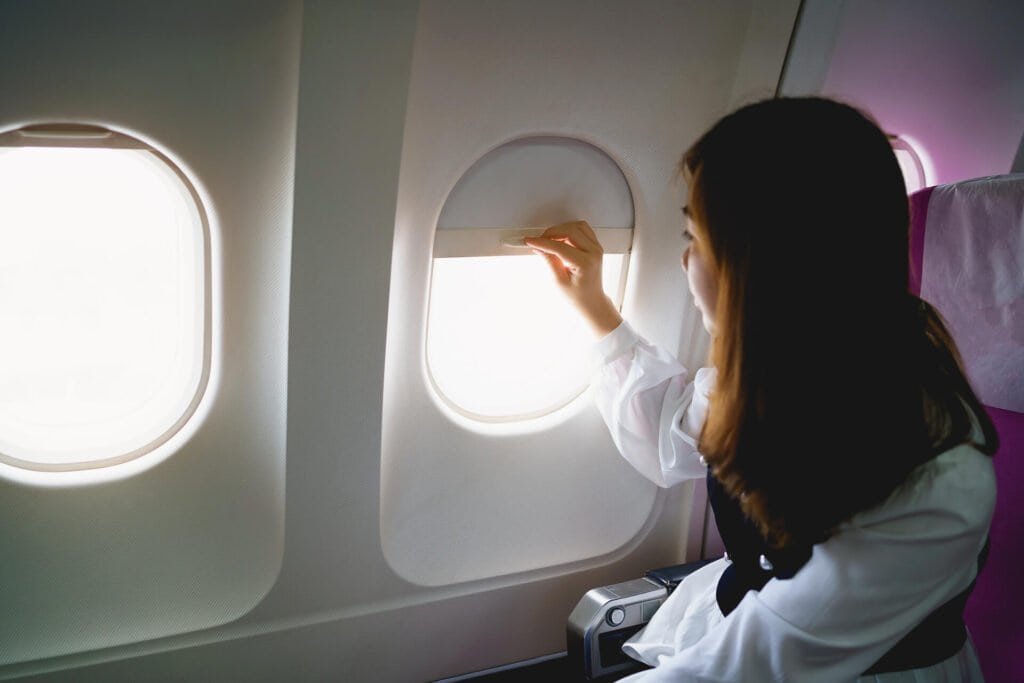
x=488, y=240
x=89, y=136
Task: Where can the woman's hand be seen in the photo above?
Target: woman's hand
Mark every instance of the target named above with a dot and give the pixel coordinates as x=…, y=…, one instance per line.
x=575, y=257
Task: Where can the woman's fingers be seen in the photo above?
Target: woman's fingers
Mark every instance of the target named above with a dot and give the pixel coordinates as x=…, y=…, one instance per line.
x=578, y=233
x=566, y=252
x=558, y=268
x=588, y=233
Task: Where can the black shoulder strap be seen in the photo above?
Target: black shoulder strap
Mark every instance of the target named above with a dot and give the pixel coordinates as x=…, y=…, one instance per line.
x=938, y=637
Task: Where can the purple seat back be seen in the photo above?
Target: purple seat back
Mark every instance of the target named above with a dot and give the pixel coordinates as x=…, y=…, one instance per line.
x=995, y=610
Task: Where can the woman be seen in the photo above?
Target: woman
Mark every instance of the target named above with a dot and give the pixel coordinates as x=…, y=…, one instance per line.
x=847, y=457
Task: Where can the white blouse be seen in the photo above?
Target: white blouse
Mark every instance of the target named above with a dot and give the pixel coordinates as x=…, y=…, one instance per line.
x=862, y=590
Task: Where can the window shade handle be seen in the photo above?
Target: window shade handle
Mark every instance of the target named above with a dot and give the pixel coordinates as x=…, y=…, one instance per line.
x=467, y=242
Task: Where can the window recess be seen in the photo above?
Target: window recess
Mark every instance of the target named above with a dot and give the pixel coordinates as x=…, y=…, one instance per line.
x=105, y=269
x=502, y=343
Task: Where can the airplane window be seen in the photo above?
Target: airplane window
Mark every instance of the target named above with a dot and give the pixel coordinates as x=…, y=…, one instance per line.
x=911, y=163
x=103, y=260
x=502, y=343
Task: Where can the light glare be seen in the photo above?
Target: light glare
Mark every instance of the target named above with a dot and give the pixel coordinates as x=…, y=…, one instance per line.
x=502, y=342
x=101, y=290
x=915, y=164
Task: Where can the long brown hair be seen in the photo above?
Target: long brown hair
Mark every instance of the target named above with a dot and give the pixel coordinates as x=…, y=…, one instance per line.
x=829, y=370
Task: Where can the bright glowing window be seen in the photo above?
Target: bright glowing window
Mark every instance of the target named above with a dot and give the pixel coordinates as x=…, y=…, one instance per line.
x=502, y=344
x=103, y=246
x=911, y=165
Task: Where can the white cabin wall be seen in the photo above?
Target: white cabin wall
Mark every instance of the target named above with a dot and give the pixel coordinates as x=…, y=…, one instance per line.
x=337, y=611
x=948, y=75
x=142, y=551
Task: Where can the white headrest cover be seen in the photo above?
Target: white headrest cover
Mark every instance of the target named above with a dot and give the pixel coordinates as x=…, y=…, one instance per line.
x=973, y=272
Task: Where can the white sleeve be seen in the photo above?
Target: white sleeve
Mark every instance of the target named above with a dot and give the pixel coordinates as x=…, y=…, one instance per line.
x=653, y=414
x=861, y=591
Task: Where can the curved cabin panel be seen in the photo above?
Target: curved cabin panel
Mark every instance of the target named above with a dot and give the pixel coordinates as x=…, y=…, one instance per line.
x=148, y=500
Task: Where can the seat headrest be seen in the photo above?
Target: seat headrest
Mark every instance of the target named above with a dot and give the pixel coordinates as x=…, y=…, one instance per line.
x=972, y=271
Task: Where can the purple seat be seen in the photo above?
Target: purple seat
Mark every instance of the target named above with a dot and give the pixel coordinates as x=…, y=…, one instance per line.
x=994, y=613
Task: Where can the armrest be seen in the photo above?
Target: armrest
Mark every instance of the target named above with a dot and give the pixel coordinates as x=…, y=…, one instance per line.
x=669, y=577
x=607, y=616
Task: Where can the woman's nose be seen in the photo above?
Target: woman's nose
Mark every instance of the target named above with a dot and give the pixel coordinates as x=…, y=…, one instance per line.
x=685, y=258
